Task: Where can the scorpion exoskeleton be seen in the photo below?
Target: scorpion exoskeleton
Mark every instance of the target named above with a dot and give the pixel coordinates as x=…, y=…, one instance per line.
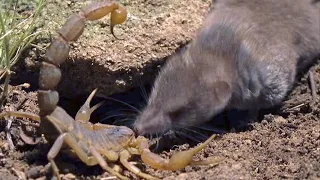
x=92, y=143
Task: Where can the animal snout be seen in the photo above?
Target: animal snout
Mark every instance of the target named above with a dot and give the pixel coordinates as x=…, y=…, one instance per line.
x=136, y=130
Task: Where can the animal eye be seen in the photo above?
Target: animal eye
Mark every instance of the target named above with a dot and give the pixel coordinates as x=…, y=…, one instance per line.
x=174, y=115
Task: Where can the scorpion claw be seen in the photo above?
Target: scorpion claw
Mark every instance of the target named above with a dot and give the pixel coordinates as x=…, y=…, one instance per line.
x=177, y=161
x=124, y=156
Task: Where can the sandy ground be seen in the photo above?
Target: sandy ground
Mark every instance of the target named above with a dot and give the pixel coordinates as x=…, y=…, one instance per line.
x=283, y=144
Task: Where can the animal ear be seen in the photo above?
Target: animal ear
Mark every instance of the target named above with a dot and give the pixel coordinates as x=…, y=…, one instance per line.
x=222, y=91
x=219, y=94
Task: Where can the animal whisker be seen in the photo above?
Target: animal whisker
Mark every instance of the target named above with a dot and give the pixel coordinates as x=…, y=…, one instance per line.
x=191, y=130
x=157, y=141
x=144, y=92
x=193, y=138
x=116, y=100
x=201, y=127
x=112, y=116
x=126, y=121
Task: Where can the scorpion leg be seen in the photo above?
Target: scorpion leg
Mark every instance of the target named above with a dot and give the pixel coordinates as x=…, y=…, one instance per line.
x=104, y=164
x=177, y=161
x=124, y=156
x=31, y=116
x=73, y=142
x=95, y=159
x=65, y=137
x=19, y=114
x=84, y=113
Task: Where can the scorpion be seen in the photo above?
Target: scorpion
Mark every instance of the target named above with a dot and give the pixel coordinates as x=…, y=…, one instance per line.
x=93, y=144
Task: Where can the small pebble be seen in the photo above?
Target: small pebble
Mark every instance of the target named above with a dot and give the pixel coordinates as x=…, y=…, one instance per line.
x=41, y=178
x=264, y=122
x=293, y=167
x=5, y=146
x=280, y=120
x=48, y=170
x=69, y=176
x=183, y=176
x=21, y=175
x=248, y=141
x=66, y=167
x=34, y=172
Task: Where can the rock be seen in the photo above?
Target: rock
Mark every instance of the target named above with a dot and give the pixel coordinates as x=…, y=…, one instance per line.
x=69, y=176
x=34, y=172
x=183, y=176
x=280, y=120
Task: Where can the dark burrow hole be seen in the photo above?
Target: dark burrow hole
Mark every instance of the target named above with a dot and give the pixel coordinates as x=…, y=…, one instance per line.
x=123, y=108
x=117, y=109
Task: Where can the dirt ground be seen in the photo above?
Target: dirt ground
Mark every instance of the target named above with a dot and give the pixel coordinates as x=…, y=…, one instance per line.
x=283, y=144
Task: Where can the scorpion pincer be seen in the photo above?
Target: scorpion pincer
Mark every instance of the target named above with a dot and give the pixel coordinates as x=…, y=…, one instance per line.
x=93, y=143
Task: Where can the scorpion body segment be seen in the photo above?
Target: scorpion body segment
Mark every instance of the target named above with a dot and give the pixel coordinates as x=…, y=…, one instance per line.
x=73, y=28
x=49, y=77
x=92, y=143
x=102, y=137
x=47, y=100
x=58, y=51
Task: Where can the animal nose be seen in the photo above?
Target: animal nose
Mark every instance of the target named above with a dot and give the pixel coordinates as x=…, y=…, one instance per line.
x=137, y=130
